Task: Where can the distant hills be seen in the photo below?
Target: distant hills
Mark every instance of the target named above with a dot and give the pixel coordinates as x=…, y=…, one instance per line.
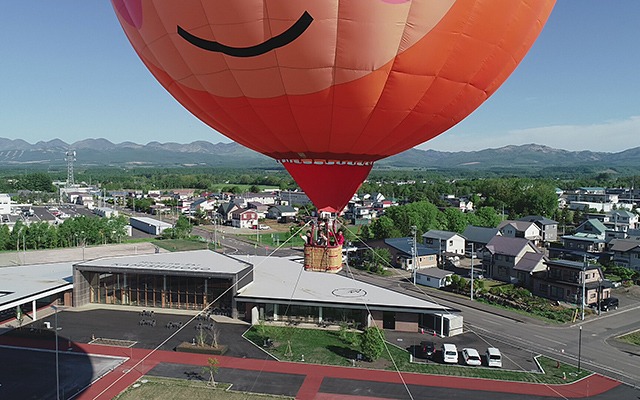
x=103, y=153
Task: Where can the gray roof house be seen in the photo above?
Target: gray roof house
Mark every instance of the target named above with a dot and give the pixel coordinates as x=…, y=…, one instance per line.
x=479, y=235
x=626, y=253
x=548, y=227
x=444, y=241
x=401, y=252
x=503, y=254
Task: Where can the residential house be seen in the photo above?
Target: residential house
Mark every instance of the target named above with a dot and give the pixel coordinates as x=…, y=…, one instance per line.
x=203, y=205
x=564, y=281
x=433, y=277
x=478, y=236
x=262, y=198
x=260, y=208
x=626, y=253
x=503, y=254
x=290, y=198
x=225, y=210
x=530, y=265
x=461, y=203
x=446, y=242
x=548, y=227
x=244, y=218
x=5, y=204
x=521, y=229
x=183, y=194
x=282, y=213
x=622, y=220
x=588, y=238
x=402, y=254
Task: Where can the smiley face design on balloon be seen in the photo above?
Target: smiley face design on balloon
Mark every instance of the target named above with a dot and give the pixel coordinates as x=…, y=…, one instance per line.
x=278, y=47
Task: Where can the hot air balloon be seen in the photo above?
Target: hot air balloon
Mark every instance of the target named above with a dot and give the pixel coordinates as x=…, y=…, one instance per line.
x=327, y=87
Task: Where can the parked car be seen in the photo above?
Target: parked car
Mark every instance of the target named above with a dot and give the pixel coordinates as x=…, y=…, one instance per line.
x=471, y=356
x=477, y=274
x=426, y=349
x=610, y=303
x=494, y=358
x=449, y=353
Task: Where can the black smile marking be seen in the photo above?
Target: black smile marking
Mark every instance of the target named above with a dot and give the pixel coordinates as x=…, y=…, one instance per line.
x=280, y=40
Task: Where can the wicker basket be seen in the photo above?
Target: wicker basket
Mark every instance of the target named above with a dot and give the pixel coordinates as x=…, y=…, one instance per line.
x=323, y=258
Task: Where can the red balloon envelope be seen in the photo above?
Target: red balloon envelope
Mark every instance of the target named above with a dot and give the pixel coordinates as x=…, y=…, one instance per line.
x=327, y=87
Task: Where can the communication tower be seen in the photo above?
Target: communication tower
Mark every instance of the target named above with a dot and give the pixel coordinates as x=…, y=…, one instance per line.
x=70, y=157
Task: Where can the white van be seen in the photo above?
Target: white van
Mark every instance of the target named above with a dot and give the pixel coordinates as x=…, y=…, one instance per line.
x=494, y=358
x=449, y=353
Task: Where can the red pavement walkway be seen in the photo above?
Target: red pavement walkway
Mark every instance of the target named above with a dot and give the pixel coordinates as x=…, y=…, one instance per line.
x=141, y=361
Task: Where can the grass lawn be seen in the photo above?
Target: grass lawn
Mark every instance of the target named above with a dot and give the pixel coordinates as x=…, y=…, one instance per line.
x=180, y=389
x=631, y=338
x=326, y=347
x=180, y=244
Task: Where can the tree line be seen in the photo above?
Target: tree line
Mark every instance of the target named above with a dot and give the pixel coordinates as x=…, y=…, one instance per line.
x=77, y=231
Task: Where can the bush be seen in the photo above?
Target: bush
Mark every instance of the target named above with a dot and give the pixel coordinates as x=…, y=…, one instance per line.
x=372, y=343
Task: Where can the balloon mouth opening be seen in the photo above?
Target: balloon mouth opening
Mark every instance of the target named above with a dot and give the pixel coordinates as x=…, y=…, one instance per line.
x=329, y=184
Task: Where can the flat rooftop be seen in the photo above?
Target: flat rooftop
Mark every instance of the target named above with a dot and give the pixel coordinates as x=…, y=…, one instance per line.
x=284, y=279
x=25, y=283
x=195, y=262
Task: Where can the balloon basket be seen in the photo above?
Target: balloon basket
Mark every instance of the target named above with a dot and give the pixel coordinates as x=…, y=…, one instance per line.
x=323, y=258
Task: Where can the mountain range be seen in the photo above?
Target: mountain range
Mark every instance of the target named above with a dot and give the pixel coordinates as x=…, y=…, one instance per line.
x=102, y=152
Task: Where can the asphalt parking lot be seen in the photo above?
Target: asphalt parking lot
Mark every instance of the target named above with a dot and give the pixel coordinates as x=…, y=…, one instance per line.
x=86, y=323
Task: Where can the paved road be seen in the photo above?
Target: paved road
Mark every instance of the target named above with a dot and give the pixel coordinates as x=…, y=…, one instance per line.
x=598, y=351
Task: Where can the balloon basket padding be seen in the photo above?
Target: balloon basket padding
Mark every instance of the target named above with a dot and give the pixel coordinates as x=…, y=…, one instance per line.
x=323, y=258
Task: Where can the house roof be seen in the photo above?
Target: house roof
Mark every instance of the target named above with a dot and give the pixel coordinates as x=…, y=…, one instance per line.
x=596, y=223
x=404, y=245
x=531, y=262
x=434, y=272
x=622, y=213
x=436, y=234
x=479, y=234
x=518, y=225
x=579, y=265
x=283, y=209
x=624, y=245
x=507, y=245
x=539, y=219
x=584, y=237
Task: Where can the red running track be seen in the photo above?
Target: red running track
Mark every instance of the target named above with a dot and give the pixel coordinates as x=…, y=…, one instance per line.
x=141, y=361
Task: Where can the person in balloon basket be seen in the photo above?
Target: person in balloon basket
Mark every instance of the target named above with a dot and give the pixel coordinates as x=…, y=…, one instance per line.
x=336, y=239
x=308, y=239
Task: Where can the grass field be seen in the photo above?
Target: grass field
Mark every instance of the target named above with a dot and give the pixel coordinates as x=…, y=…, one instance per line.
x=631, y=338
x=326, y=347
x=179, y=389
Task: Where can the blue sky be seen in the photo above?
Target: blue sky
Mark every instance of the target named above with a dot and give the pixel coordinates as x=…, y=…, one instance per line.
x=68, y=72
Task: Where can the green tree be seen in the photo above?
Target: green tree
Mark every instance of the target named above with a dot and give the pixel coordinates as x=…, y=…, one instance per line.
x=212, y=369
x=384, y=227
x=375, y=260
x=455, y=220
x=372, y=343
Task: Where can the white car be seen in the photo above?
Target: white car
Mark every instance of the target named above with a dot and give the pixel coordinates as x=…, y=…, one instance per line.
x=494, y=358
x=471, y=356
x=449, y=353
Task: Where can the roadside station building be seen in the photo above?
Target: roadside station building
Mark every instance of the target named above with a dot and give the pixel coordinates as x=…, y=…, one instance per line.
x=254, y=288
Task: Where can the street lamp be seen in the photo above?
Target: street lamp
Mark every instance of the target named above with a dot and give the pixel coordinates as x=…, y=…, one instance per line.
x=579, y=348
x=55, y=309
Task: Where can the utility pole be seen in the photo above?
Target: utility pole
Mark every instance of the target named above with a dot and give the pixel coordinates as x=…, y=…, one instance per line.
x=413, y=254
x=584, y=275
x=472, y=271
